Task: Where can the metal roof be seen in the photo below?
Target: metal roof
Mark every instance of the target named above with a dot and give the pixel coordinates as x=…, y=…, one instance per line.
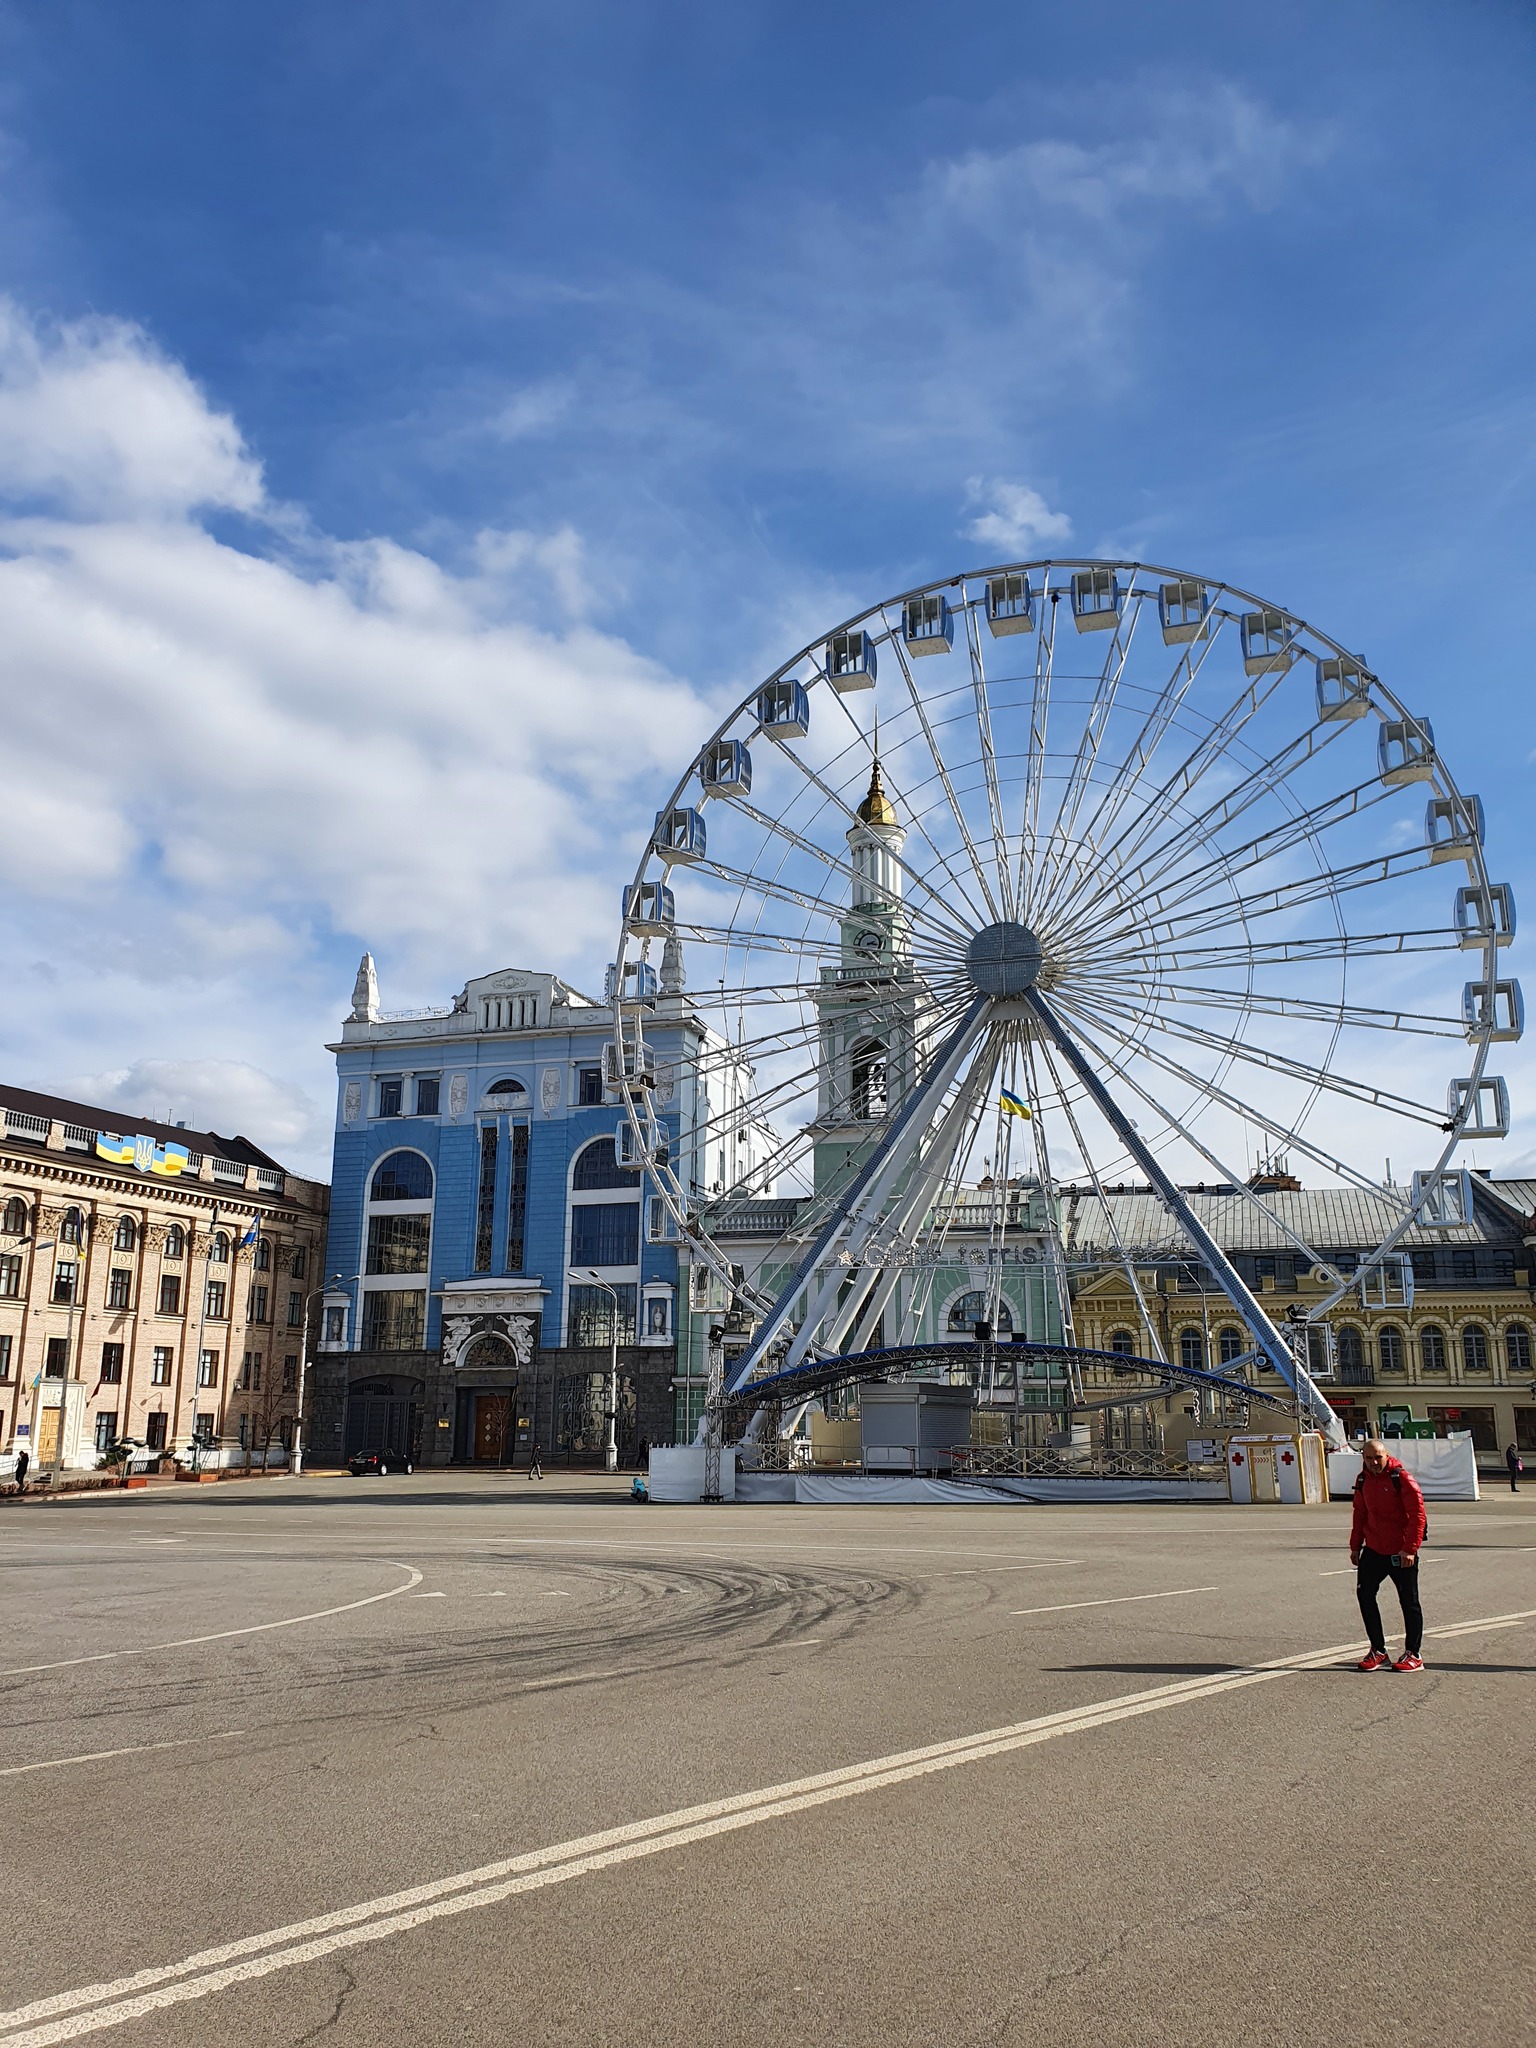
x=1327, y=1219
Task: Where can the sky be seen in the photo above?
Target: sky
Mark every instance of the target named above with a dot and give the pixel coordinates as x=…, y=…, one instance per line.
x=418, y=425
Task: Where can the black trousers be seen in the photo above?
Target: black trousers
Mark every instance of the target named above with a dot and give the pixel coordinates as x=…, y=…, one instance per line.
x=1372, y=1569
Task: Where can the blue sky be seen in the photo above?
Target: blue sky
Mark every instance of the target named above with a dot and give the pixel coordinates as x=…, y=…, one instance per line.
x=412, y=420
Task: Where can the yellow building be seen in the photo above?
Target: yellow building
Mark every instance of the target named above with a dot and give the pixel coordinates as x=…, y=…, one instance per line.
x=1450, y=1338
x=156, y=1284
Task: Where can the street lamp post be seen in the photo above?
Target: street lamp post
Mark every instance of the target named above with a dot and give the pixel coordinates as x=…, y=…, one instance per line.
x=56, y=1463
x=611, y=1441
x=296, y=1457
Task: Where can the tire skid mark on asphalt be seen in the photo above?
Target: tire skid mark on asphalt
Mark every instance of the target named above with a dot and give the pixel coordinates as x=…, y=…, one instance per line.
x=92, y=2008
x=223, y=1635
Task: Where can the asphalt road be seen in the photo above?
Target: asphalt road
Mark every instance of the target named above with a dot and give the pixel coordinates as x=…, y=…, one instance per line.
x=463, y=1761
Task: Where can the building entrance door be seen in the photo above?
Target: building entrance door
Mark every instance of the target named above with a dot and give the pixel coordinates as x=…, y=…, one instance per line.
x=492, y=1416
x=48, y=1436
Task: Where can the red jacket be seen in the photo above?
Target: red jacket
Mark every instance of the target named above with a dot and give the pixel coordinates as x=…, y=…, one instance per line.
x=1389, y=1511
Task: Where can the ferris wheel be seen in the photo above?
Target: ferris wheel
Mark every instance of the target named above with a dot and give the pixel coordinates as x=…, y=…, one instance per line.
x=1058, y=874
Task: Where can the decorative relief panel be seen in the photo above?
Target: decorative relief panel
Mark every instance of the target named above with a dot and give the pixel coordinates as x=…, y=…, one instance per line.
x=458, y=1094
x=550, y=1090
x=352, y=1102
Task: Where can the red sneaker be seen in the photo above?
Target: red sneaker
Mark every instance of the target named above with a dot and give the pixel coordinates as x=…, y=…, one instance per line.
x=1409, y=1662
x=1374, y=1660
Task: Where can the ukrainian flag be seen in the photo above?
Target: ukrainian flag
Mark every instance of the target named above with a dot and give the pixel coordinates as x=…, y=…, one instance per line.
x=110, y=1146
x=1015, y=1105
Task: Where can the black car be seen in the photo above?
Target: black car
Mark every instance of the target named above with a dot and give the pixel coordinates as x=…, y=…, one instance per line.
x=380, y=1461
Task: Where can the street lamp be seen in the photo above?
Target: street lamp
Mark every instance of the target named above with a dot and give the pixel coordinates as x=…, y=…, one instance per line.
x=296, y=1456
x=611, y=1442
x=56, y=1465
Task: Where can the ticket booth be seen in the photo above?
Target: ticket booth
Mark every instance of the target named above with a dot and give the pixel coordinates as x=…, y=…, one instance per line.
x=1289, y=1470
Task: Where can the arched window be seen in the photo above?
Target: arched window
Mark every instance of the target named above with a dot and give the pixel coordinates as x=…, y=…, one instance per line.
x=72, y=1229
x=1351, y=1349
x=402, y=1177
x=1474, y=1348
x=1231, y=1343
x=597, y=1166
x=15, y=1220
x=218, y=1249
x=506, y=1087
x=1122, y=1343
x=1390, y=1348
x=1192, y=1350
x=1517, y=1347
x=1432, y=1347
x=124, y=1237
x=972, y=1309
x=263, y=1256
x=870, y=1098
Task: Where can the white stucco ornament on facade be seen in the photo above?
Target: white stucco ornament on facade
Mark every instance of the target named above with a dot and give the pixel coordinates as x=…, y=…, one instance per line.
x=352, y=1102
x=460, y=1331
x=549, y=1090
x=458, y=1095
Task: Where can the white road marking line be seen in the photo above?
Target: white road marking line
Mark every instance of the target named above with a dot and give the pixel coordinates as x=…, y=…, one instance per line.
x=1121, y=1600
x=972, y=1571
x=68, y=2015
x=96, y=1756
x=429, y=1596
x=1344, y=1571
x=576, y=1678
x=223, y=1635
x=554, y=1596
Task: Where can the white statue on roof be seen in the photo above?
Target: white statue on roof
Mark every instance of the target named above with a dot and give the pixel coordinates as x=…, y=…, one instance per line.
x=365, y=992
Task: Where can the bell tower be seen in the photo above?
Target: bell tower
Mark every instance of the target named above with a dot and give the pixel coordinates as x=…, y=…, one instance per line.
x=870, y=1004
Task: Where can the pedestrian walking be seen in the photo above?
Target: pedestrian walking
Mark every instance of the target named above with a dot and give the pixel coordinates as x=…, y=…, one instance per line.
x=23, y=1460
x=642, y=1454
x=1385, y=1538
x=535, y=1462
x=1516, y=1464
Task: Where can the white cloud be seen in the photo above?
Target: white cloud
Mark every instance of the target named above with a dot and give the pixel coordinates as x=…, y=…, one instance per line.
x=1017, y=519
x=94, y=419
x=227, y=1096
x=227, y=770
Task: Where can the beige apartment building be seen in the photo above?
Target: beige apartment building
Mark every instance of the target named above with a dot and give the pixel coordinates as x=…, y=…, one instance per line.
x=1447, y=1338
x=156, y=1283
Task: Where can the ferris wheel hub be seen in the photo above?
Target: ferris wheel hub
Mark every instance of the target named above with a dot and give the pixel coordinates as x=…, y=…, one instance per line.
x=1003, y=959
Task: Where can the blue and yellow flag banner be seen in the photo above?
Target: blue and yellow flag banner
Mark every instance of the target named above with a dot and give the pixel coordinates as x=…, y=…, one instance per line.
x=1015, y=1105
x=143, y=1153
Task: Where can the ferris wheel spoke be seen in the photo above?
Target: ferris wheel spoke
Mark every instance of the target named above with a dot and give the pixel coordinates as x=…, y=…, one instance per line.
x=1309, y=1009
x=1085, y=759
x=1251, y=1054
x=1035, y=751
x=1328, y=946
x=842, y=869
x=1284, y=897
x=909, y=871
x=957, y=809
x=1216, y=743
x=1004, y=865
x=1230, y=1177
x=1142, y=752
x=1214, y=866
x=1196, y=839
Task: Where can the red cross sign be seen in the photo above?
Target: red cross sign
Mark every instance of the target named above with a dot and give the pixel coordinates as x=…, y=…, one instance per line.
x=1237, y=1457
x=1286, y=1458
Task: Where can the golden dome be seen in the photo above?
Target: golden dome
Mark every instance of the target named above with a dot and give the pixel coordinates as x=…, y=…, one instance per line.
x=877, y=808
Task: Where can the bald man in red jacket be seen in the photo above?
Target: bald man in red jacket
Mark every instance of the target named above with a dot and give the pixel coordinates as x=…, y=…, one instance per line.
x=1384, y=1541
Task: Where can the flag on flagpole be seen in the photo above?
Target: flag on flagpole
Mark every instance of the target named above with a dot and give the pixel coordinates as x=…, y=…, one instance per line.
x=1015, y=1105
x=252, y=1234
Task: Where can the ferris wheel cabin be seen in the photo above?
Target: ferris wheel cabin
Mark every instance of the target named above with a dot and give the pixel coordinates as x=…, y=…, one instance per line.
x=725, y=769
x=1269, y=642
x=1183, y=610
x=1453, y=827
x=1097, y=600
x=1405, y=750
x=927, y=625
x=851, y=662
x=1010, y=605
x=1343, y=688
x=784, y=710
x=1484, y=914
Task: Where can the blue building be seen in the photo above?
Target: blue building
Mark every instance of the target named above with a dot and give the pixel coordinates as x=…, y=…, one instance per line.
x=489, y=1217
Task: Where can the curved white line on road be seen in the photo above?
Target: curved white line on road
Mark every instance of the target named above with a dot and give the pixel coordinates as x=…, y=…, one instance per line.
x=222, y=1635
x=68, y=2015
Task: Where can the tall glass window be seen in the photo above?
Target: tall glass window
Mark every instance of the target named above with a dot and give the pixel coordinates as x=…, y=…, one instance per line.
x=590, y=1325
x=396, y=1244
x=394, y=1320
x=605, y=1234
x=517, y=1201
x=485, y=1216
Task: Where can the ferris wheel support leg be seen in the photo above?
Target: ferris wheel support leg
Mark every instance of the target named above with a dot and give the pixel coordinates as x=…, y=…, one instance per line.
x=869, y=1189
x=1266, y=1335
